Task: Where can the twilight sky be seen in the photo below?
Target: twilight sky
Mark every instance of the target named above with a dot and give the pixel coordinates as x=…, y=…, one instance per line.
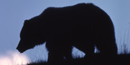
x=14, y=12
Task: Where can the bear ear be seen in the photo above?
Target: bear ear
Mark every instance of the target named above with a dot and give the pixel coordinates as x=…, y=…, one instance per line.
x=25, y=21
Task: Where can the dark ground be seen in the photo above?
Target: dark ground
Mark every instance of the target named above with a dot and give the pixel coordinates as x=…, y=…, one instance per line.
x=123, y=59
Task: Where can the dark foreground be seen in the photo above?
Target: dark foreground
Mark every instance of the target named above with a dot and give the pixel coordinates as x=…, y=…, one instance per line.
x=96, y=60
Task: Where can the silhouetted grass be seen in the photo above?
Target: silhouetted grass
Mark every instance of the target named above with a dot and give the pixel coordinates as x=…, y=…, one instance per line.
x=122, y=59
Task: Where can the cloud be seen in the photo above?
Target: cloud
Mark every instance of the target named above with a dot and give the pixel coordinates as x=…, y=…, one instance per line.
x=13, y=58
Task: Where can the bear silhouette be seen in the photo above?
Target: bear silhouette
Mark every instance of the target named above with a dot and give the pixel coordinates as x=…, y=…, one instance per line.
x=81, y=25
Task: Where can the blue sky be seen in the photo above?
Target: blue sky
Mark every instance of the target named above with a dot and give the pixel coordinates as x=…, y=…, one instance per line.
x=14, y=12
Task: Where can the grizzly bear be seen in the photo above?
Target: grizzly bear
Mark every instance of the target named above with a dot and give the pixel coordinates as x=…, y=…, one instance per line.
x=81, y=25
